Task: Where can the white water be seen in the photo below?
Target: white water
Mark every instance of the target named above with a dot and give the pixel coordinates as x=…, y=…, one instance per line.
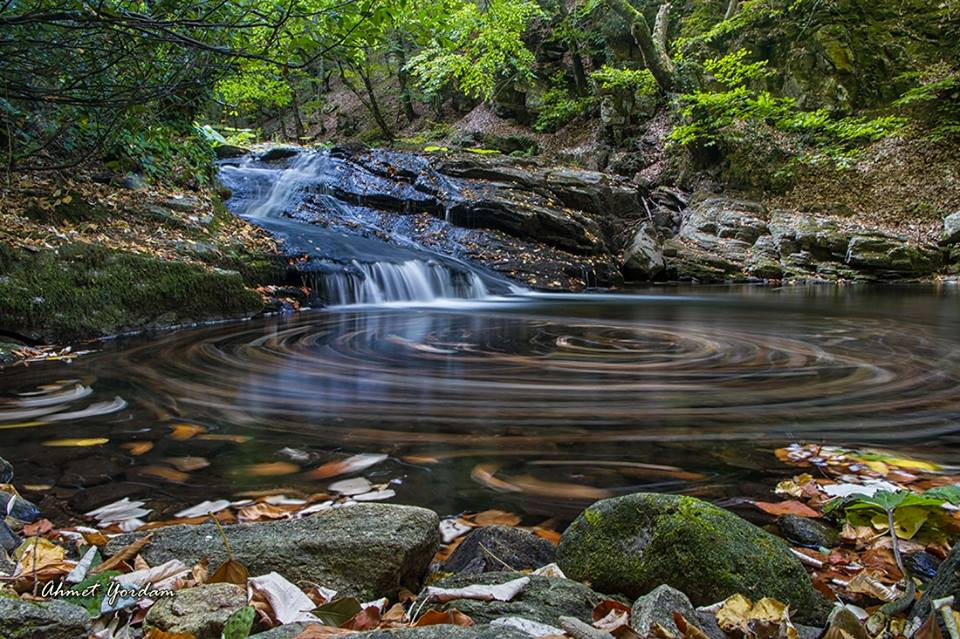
x=362, y=271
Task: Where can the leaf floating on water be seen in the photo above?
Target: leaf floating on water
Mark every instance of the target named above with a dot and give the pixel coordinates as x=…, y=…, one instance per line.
x=376, y=495
x=222, y=437
x=271, y=469
x=204, y=508
x=119, y=511
x=187, y=464
x=137, y=448
x=165, y=472
x=356, y=486
x=496, y=518
x=76, y=442
x=484, y=474
x=788, y=507
x=261, y=511
x=183, y=432
x=355, y=464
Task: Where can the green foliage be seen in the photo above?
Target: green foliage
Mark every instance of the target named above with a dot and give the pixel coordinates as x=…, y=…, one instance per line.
x=732, y=70
x=478, y=49
x=239, y=624
x=910, y=511
x=935, y=101
x=639, y=81
x=559, y=107
x=163, y=153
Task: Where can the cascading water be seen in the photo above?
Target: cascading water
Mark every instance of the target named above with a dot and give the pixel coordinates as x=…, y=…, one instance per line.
x=344, y=269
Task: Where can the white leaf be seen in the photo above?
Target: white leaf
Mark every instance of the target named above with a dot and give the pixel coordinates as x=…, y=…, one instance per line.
x=355, y=486
x=496, y=592
x=79, y=571
x=204, y=508
x=152, y=576
x=532, y=628
x=119, y=511
x=289, y=603
x=550, y=570
x=377, y=495
x=869, y=488
x=450, y=529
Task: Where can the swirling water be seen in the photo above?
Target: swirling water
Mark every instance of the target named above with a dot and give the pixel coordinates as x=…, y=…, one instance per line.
x=535, y=403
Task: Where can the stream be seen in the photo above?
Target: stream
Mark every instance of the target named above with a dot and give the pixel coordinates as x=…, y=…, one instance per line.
x=485, y=394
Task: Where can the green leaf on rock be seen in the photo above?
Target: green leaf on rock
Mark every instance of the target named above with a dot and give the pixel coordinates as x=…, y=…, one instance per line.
x=338, y=611
x=239, y=624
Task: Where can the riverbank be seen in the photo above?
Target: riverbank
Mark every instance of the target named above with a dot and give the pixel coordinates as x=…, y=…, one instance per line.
x=625, y=567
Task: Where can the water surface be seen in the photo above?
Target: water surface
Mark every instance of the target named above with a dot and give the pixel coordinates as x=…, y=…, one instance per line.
x=535, y=403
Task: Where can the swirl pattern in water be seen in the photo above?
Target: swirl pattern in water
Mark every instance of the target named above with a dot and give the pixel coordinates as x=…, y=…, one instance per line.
x=538, y=404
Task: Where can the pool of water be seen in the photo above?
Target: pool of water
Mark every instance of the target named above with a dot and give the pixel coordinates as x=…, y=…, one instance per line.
x=537, y=404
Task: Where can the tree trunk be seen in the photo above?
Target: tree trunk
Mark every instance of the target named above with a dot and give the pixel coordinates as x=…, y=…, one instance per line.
x=660, y=28
x=294, y=105
x=405, y=100
x=731, y=9
x=640, y=30
x=375, y=106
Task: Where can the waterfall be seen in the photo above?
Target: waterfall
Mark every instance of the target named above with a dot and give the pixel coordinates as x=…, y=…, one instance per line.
x=409, y=281
x=345, y=268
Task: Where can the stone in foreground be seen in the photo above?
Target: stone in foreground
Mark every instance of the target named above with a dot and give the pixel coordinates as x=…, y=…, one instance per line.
x=200, y=611
x=632, y=544
x=657, y=607
x=498, y=548
x=366, y=551
x=42, y=620
x=945, y=584
x=544, y=599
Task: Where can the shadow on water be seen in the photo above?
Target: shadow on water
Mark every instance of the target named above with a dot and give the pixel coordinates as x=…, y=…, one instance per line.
x=533, y=403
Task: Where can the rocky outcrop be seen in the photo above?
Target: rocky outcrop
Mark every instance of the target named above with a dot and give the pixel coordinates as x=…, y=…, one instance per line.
x=632, y=544
x=951, y=229
x=366, y=551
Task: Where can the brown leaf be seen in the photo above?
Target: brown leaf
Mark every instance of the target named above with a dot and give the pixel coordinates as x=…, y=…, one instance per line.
x=436, y=617
x=495, y=518
x=930, y=629
x=186, y=431
x=230, y=572
x=41, y=527
x=125, y=554
x=156, y=633
x=271, y=469
x=137, y=448
x=366, y=619
x=687, y=629
x=788, y=507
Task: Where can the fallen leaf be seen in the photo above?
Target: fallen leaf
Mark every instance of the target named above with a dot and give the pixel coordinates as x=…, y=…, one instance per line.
x=271, y=469
x=137, y=448
x=286, y=602
x=76, y=442
x=230, y=572
x=495, y=518
x=164, y=472
x=124, y=554
x=187, y=464
x=496, y=592
x=182, y=432
x=156, y=633
x=450, y=617
x=788, y=507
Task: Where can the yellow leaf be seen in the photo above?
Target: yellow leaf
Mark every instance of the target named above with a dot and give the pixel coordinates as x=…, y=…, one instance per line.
x=70, y=442
x=186, y=431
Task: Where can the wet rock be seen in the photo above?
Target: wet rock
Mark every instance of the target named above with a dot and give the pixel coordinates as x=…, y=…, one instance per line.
x=497, y=548
x=951, y=229
x=279, y=153
x=544, y=599
x=922, y=564
x=367, y=551
x=90, y=471
x=200, y=611
x=634, y=543
x=894, y=257
x=42, y=620
x=803, y=531
x=657, y=607
x=88, y=499
x=9, y=540
x=132, y=182
x=6, y=471
x=20, y=508
x=228, y=151
x=945, y=584
x=643, y=258
x=182, y=203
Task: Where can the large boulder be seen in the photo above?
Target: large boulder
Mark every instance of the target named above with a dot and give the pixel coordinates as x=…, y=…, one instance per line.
x=632, y=544
x=544, y=599
x=891, y=257
x=201, y=611
x=367, y=551
x=951, y=229
x=42, y=620
x=494, y=548
x=643, y=257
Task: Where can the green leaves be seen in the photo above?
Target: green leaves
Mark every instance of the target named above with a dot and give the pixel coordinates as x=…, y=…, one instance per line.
x=911, y=511
x=239, y=624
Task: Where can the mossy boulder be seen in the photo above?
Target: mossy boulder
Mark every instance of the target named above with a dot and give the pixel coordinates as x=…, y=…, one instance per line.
x=543, y=599
x=21, y=619
x=630, y=545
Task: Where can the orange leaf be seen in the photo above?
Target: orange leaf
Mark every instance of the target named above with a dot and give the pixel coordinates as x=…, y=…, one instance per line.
x=230, y=572
x=125, y=554
x=495, y=518
x=186, y=431
x=271, y=469
x=450, y=617
x=156, y=633
x=789, y=507
x=366, y=619
x=321, y=632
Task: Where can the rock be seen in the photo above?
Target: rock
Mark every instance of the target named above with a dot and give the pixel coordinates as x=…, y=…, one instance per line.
x=279, y=153
x=90, y=471
x=9, y=540
x=228, y=151
x=922, y=564
x=448, y=632
x=951, y=229
x=657, y=607
x=286, y=631
x=132, y=182
x=487, y=549
x=6, y=471
x=201, y=611
x=20, y=508
x=891, y=256
x=182, y=203
x=544, y=599
x=367, y=551
x=643, y=258
x=42, y=620
x=803, y=531
x=632, y=544
x=88, y=499
x=945, y=584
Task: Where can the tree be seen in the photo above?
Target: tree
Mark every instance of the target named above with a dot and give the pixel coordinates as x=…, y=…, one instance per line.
x=653, y=49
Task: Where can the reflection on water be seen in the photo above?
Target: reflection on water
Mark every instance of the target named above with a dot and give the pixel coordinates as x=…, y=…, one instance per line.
x=538, y=403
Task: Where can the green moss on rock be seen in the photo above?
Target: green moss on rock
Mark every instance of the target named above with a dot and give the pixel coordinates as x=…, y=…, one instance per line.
x=632, y=544
x=84, y=291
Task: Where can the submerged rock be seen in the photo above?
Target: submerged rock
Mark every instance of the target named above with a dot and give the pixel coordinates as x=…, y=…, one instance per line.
x=498, y=548
x=634, y=543
x=201, y=611
x=657, y=607
x=544, y=599
x=367, y=551
x=804, y=531
x=21, y=619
